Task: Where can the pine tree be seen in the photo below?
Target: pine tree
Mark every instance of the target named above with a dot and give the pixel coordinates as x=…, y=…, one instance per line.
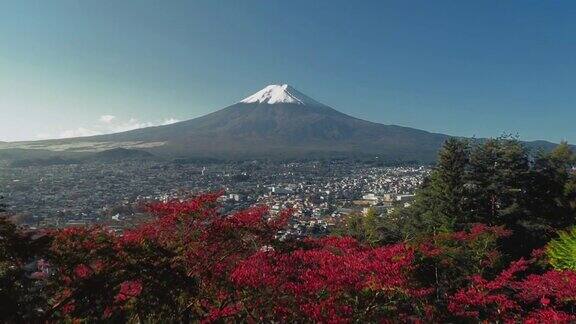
x=498, y=178
x=441, y=203
x=496, y=182
x=550, y=197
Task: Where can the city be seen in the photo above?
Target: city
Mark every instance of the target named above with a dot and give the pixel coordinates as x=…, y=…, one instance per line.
x=320, y=193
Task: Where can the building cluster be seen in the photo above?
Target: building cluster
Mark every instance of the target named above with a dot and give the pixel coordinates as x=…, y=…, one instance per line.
x=319, y=193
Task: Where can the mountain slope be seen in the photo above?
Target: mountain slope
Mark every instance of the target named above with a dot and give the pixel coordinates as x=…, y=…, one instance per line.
x=275, y=122
x=279, y=121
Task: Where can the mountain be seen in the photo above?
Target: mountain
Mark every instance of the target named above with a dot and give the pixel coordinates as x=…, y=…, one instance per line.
x=47, y=158
x=118, y=154
x=276, y=122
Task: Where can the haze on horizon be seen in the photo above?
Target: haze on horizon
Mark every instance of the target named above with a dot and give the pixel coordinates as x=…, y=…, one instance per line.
x=73, y=68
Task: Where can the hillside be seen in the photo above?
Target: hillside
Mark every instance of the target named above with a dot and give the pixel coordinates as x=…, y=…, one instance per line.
x=277, y=122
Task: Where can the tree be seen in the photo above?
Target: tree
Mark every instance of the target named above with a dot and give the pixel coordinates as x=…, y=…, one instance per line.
x=193, y=264
x=174, y=268
x=445, y=261
x=441, y=203
x=20, y=296
x=552, y=187
x=496, y=182
x=549, y=199
x=371, y=229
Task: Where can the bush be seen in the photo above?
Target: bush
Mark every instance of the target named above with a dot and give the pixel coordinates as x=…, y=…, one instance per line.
x=562, y=250
x=194, y=264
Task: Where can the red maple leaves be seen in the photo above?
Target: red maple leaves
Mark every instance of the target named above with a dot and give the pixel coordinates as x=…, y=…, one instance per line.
x=194, y=263
x=324, y=279
x=129, y=289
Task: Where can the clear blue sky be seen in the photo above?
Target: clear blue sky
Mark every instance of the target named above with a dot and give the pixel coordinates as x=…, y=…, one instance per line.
x=459, y=67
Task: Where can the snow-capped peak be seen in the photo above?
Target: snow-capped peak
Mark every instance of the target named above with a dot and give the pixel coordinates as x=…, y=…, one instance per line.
x=284, y=93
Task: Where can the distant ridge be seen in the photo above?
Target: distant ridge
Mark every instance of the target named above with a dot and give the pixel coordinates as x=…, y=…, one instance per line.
x=122, y=154
x=276, y=122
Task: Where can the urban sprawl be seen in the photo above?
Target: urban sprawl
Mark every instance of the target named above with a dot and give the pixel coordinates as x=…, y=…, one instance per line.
x=113, y=194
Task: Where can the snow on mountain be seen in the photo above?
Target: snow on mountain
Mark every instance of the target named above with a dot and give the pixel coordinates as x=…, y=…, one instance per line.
x=274, y=94
x=277, y=122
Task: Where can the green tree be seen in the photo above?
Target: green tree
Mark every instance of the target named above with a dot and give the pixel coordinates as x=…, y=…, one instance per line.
x=550, y=196
x=374, y=227
x=442, y=201
x=561, y=163
x=371, y=229
x=496, y=182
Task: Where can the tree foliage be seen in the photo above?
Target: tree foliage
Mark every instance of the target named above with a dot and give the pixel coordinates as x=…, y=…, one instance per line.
x=497, y=182
x=20, y=297
x=370, y=228
x=194, y=264
x=562, y=250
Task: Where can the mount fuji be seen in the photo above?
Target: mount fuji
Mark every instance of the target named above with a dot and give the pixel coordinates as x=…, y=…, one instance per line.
x=277, y=122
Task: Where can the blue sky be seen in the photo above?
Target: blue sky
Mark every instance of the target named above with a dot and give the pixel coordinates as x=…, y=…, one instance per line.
x=470, y=68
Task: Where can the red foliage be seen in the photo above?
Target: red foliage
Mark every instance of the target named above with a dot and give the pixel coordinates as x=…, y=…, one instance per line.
x=82, y=271
x=129, y=289
x=488, y=299
x=548, y=315
x=186, y=254
x=322, y=281
x=557, y=287
x=199, y=204
x=510, y=297
x=194, y=264
x=475, y=248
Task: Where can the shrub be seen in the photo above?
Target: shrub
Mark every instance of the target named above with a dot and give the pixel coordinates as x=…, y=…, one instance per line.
x=562, y=250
